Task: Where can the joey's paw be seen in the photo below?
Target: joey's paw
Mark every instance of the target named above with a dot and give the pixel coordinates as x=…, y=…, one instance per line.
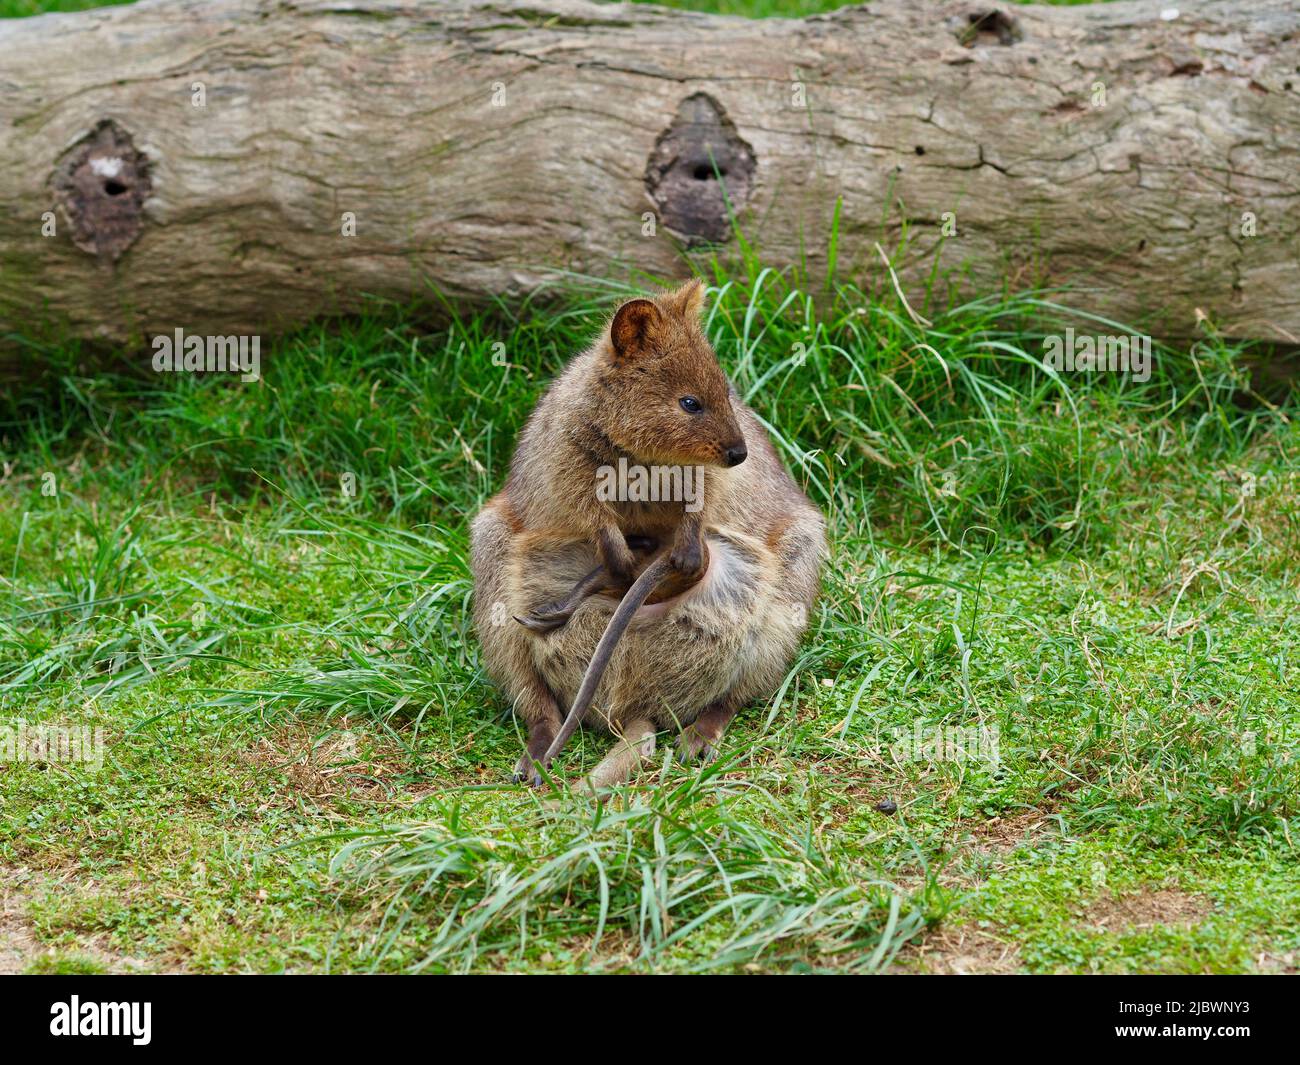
x=694, y=746
x=618, y=559
x=621, y=570
x=527, y=771
x=687, y=557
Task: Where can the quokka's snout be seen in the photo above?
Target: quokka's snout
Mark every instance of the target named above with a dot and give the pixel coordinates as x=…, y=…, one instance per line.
x=736, y=454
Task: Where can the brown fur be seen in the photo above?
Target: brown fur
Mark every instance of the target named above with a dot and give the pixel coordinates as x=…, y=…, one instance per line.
x=695, y=660
x=621, y=398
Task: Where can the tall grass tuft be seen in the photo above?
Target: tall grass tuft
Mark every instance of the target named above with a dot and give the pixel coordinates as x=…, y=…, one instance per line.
x=710, y=871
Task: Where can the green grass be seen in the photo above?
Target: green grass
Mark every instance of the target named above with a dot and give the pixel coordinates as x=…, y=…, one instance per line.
x=24, y=8
x=307, y=771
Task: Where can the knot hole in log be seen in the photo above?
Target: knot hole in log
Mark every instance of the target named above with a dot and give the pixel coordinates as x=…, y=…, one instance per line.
x=101, y=184
x=698, y=166
x=985, y=27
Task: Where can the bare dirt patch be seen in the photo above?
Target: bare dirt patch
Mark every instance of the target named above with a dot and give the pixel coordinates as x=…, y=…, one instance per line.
x=1283, y=962
x=1144, y=910
x=337, y=765
x=21, y=947
x=1002, y=835
x=18, y=942
x=960, y=951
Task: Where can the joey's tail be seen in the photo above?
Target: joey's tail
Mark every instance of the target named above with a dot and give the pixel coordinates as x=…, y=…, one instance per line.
x=630, y=604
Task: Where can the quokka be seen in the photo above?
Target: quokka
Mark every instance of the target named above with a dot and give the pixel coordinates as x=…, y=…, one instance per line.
x=745, y=565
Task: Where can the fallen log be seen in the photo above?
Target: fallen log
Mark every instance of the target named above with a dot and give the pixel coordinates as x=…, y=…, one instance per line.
x=242, y=166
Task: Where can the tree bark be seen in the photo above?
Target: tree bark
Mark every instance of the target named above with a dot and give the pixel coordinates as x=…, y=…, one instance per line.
x=201, y=160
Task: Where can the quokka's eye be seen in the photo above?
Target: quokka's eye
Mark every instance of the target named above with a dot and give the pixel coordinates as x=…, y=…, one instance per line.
x=690, y=404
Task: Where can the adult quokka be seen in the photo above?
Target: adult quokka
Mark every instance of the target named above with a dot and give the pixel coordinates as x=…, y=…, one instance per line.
x=549, y=550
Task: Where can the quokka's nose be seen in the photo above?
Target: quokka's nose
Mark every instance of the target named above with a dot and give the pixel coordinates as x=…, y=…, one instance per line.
x=736, y=455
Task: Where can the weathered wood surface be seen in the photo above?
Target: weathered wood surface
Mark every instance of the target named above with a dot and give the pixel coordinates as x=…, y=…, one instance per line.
x=483, y=145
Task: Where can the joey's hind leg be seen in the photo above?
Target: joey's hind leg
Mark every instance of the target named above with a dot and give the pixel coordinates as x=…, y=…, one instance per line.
x=699, y=740
x=553, y=615
x=540, y=712
x=632, y=746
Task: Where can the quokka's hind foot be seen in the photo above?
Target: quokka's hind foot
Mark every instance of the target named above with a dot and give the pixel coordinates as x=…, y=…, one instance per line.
x=699, y=741
x=542, y=716
x=633, y=747
x=528, y=771
x=693, y=747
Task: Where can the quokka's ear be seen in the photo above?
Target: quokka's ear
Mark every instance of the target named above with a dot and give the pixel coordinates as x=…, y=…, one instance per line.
x=634, y=327
x=688, y=300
